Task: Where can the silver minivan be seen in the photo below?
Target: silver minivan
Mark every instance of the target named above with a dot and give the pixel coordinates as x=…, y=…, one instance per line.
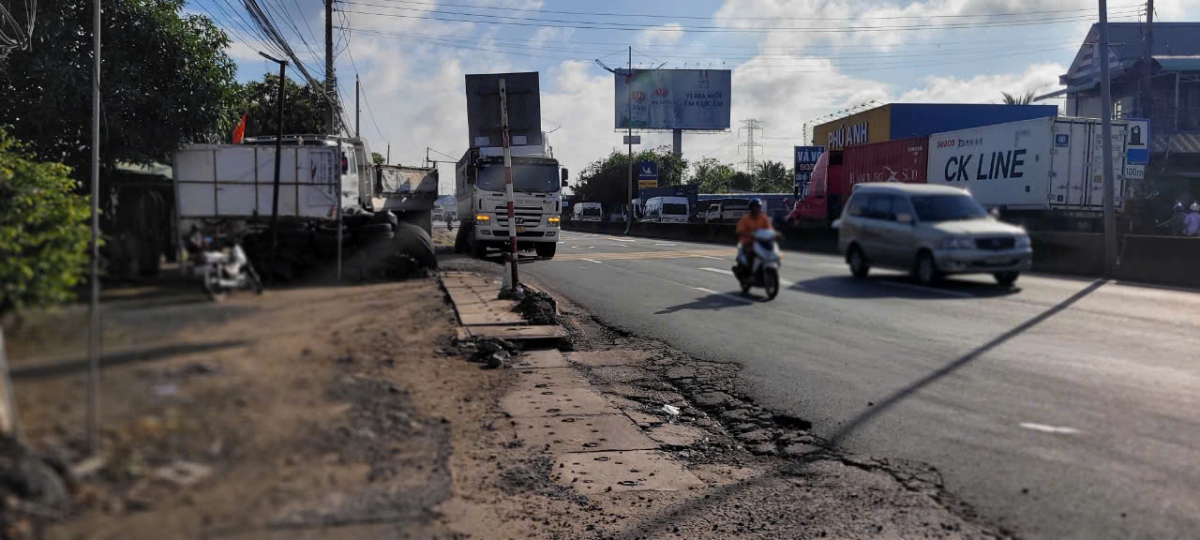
x=929, y=230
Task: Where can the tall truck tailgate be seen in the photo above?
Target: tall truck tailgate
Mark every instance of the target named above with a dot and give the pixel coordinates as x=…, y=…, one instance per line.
x=237, y=181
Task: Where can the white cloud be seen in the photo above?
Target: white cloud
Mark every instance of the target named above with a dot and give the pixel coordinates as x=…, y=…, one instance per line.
x=551, y=35
x=1038, y=78
x=663, y=34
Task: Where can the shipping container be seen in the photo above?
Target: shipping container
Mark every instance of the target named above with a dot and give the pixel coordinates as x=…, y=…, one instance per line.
x=1035, y=165
x=237, y=181
x=905, y=160
x=924, y=119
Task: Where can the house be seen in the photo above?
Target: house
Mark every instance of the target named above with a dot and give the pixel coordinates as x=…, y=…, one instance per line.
x=1173, y=106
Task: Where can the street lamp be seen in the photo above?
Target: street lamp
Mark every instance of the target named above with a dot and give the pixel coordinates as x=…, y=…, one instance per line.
x=278, y=156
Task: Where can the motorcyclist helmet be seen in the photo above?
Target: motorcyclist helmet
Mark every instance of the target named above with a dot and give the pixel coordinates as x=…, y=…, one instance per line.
x=1195, y=207
x=756, y=204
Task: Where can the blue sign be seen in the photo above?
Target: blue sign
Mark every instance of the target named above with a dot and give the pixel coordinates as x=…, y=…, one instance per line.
x=1137, y=141
x=1062, y=140
x=806, y=161
x=647, y=171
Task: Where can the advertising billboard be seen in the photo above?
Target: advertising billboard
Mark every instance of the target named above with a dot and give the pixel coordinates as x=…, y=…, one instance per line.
x=691, y=99
x=806, y=159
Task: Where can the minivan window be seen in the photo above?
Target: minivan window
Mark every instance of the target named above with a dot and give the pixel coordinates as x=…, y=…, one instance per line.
x=857, y=204
x=936, y=208
x=675, y=208
x=880, y=207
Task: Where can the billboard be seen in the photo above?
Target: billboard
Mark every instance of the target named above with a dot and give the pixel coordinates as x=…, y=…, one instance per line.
x=806, y=160
x=692, y=99
x=524, y=110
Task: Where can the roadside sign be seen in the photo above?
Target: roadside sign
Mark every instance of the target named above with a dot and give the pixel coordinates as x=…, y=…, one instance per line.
x=633, y=139
x=1138, y=143
x=1135, y=172
x=647, y=170
x=805, y=162
x=647, y=184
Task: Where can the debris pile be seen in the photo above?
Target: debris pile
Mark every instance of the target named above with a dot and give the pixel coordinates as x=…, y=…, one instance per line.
x=32, y=491
x=538, y=308
x=491, y=352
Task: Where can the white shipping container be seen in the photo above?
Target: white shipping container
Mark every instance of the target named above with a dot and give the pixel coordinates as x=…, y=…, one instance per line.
x=237, y=181
x=1040, y=164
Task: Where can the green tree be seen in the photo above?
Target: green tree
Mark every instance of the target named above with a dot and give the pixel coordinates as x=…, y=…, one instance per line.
x=712, y=176
x=742, y=181
x=772, y=177
x=607, y=180
x=1017, y=99
x=377, y=158
x=43, y=233
x=166, y=81
x=303, y=109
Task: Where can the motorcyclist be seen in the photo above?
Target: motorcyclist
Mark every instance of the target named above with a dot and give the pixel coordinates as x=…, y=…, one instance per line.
x=1191, y=223
x=747, y=226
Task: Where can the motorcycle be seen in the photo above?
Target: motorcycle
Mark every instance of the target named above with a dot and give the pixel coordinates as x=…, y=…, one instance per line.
x=224, y=272
x=763, y=271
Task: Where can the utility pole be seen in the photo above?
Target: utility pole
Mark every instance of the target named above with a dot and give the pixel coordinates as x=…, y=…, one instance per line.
x=1148, y=61
x=357, y=110
x=750, y=126
x=629, y=139
x=1110, y=223
x=93, y=381
x=278, y=157
x=389, y=154
x=330, y=92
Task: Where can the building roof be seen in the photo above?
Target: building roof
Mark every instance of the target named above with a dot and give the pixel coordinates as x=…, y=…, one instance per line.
x=1125, y=47
x=1178, y=63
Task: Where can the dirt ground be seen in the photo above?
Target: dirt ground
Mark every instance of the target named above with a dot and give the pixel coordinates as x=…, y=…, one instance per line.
x=348, y=412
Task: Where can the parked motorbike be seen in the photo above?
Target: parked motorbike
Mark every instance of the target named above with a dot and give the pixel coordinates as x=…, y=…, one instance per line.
x=763, y=270
x=227, y=271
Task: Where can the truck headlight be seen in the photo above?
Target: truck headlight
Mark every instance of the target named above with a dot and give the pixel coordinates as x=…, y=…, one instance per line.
x=958, y=242
x=1023, y=242
x=482, y=218
x=553, y=220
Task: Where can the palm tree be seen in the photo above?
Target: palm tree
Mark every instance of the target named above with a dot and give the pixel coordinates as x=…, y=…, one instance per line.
x=771, y=176
x=1018, y=99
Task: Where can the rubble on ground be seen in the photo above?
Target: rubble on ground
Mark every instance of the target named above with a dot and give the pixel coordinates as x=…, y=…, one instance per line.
x=33, y=491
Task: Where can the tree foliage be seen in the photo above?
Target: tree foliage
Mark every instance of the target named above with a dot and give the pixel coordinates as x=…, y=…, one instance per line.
x=377, y=158
x=712, y=176
x=607, y=180
x=773, y=177
x=43, y=231
x=165, y=81
x=1017, y=99
x=303, y=107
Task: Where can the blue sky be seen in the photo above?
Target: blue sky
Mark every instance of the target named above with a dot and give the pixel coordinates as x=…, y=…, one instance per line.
x=793, y=60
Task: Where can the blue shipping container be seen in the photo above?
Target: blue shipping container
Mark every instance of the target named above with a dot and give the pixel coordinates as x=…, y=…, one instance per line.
x=923, y=119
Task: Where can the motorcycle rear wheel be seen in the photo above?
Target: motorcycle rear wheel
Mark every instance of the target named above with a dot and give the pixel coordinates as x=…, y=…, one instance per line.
x=771, y=282
x=212, y=284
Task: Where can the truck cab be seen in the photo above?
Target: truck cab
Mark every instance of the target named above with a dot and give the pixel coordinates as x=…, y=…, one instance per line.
x=827, y=190
x=480, y=182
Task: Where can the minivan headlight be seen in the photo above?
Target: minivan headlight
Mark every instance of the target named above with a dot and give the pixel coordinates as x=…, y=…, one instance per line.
x=1023, y=242
x=958, y=242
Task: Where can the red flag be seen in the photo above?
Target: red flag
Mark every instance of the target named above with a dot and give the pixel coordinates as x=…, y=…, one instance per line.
x=239, y=131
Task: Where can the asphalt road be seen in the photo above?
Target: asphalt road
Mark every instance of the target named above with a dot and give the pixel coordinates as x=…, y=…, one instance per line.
x=1062, y=408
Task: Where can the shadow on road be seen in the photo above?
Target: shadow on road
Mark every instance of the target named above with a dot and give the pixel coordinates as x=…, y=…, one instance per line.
x=879, y=408
x=712, y=302
x=127, y=357
x=899, y=286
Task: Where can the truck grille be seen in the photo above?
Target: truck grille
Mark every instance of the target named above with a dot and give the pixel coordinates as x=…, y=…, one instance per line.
x=529, y=216
x=996, y=243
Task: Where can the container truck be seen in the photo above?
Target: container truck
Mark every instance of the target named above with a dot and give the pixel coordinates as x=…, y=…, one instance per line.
x=838, y=171
x=1044, y=173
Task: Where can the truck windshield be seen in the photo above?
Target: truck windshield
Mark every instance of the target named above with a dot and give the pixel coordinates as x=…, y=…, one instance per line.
x=936, y=208
x=526, y=178
x=675, y=209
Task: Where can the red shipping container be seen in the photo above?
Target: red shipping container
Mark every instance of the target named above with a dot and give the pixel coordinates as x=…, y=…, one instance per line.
x=904, y=160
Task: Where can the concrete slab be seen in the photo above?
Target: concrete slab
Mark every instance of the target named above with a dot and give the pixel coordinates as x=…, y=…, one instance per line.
x=609, y=358
x=540, y=360
x=676, y=434
x=539, y=402
x=639, y=470
x=487, y=313
x=572, y=433
x=513, y=333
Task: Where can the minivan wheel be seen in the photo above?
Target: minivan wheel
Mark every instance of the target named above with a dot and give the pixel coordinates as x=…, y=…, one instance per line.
x=927, y=271
x=858, y=264
x=1006, y=279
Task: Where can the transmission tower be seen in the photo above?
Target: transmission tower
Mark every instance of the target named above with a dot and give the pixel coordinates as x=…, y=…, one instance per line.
x=750, y=126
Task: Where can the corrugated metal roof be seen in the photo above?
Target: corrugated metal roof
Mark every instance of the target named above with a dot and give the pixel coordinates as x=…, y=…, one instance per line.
x=1170, y=39
x=1178, y=63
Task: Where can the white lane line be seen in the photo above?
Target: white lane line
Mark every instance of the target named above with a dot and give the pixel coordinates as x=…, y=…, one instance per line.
x=703, y=290
x=785, y=283
x=930, y=290
x=710, y=257
x=717, y=271
x=622, y=239
x=591, y=260
x=665, y=244
x=1049, y=429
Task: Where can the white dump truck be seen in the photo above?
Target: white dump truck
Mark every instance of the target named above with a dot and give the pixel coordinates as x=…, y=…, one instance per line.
x=483, y=207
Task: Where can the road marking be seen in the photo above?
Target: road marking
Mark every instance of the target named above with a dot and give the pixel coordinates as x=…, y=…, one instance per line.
x=718, y=271
x=1049, y=429
x=710, y=257
x=667, y=245
x=930, y=290
x=591, y=260
x=703, y=290
x=622, y=239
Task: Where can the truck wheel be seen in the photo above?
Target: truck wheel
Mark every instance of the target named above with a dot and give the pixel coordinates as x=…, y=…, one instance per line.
x=546, y=250
x=386, y=217
x=478, y=250
x=462, y=238
x=416, y=243
x=422, y=219
x=1006, y=279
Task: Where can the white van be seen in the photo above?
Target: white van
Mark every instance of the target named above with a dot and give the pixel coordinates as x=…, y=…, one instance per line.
x=587, y=211
x=667, y=210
